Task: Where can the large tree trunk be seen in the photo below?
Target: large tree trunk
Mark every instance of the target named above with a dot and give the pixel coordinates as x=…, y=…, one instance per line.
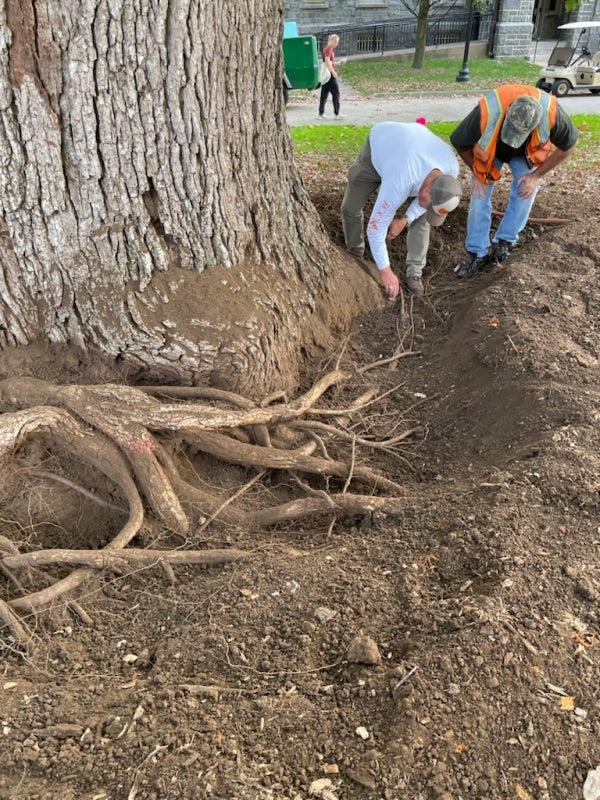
x=149, y=203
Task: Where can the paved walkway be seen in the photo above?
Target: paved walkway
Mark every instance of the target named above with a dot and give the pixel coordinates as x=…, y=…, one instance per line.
x=406, y=108
x=435, y=107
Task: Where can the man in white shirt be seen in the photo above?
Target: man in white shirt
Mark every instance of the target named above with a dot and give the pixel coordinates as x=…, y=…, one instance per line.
x=402, y=161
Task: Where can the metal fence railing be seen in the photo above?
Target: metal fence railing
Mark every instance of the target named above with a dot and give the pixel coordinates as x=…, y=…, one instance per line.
x=401, y=34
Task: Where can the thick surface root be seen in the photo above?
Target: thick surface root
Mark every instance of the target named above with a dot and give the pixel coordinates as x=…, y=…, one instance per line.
x=136, y=437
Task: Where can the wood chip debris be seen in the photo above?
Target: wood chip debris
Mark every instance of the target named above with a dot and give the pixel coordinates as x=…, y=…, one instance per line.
x=521, y=793
x=64, y=730
x=567, y=704
x=323, y=788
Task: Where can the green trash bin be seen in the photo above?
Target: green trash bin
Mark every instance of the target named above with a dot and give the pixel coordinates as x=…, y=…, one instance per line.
x=301, y=62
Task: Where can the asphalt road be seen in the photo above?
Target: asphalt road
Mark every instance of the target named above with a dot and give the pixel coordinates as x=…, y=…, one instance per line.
x=406, y=108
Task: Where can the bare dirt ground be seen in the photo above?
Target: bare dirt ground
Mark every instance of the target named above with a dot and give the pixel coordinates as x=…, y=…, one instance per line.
x=449, y=653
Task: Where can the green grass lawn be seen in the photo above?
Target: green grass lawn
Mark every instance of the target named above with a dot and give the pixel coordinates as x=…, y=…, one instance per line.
x=341, y=143
x=385, y=77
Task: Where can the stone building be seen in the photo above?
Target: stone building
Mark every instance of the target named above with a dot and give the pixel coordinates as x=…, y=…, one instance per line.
x=516, y=23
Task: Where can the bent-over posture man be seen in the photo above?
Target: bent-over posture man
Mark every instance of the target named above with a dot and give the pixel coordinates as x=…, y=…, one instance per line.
x=403, y=161
x=526, y=129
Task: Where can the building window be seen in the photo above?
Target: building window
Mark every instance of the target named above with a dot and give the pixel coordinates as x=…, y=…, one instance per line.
x=315, y=3
x=371, y=4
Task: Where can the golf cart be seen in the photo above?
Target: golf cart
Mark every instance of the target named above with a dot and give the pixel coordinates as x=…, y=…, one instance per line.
x=571, y=66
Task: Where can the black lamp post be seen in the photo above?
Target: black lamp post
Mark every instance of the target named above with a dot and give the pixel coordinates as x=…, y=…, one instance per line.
x=463, y=73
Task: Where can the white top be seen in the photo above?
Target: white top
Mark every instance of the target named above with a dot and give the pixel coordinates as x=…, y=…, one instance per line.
x=403, y=154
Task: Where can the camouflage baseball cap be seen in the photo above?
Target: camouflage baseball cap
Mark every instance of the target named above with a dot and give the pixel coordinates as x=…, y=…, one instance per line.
x=522, y=117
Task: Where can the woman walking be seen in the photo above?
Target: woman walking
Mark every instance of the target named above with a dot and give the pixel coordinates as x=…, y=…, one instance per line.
x=331, y=87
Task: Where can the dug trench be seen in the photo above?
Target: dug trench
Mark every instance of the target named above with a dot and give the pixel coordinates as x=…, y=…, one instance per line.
x=478, y=605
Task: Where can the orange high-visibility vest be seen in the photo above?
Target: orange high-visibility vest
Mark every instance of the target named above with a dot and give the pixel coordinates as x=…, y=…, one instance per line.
x=493, y=106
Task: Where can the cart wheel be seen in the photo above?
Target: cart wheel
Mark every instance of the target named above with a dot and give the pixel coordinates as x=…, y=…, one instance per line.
x=561, y=87
x=541, y=84
x=595, y=90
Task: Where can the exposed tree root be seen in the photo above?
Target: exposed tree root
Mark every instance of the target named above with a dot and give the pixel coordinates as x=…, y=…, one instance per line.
x=123, y=560
x=17, y=633
x=131, y=436
x=538, y=220
x=235, y=452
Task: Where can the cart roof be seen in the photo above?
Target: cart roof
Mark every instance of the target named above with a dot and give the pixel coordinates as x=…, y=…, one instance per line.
x=575, y=25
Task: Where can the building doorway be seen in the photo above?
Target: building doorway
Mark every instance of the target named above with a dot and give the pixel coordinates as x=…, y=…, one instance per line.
x=547, y=16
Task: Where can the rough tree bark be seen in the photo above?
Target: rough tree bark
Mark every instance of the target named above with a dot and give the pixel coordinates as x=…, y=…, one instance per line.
x=149, y=203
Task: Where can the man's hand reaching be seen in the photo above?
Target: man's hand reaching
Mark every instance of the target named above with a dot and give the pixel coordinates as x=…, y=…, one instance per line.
x=528, y=184
x=389, y=281
x=396, y=227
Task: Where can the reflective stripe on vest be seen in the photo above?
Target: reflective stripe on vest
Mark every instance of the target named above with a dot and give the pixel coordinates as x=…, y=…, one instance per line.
x=496, y=116
x=493, y=106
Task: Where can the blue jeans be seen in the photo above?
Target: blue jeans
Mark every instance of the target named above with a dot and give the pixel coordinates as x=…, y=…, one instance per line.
x=518, y=209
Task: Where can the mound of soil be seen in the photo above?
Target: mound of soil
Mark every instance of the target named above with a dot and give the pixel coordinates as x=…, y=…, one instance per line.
x=453, y=653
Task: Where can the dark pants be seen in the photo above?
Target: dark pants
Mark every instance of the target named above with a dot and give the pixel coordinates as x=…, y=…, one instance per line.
x=330, y=88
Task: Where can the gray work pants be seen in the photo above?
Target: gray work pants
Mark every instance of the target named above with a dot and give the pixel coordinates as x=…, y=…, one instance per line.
x=363, y=180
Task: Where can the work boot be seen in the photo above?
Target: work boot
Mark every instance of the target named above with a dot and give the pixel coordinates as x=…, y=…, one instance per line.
x=415, y=285
x=500, y=250
x=472, y=265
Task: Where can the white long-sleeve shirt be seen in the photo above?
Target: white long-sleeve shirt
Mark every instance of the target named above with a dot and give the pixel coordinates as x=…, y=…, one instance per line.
x=403, y=154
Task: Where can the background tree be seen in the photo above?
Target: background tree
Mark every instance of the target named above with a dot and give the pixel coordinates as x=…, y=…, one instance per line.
x=421, y=10
x=422, y=21
x=149, y=202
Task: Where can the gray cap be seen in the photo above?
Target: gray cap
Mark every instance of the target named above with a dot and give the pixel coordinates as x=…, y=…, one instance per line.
x=521, y=119
x=446, y=192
